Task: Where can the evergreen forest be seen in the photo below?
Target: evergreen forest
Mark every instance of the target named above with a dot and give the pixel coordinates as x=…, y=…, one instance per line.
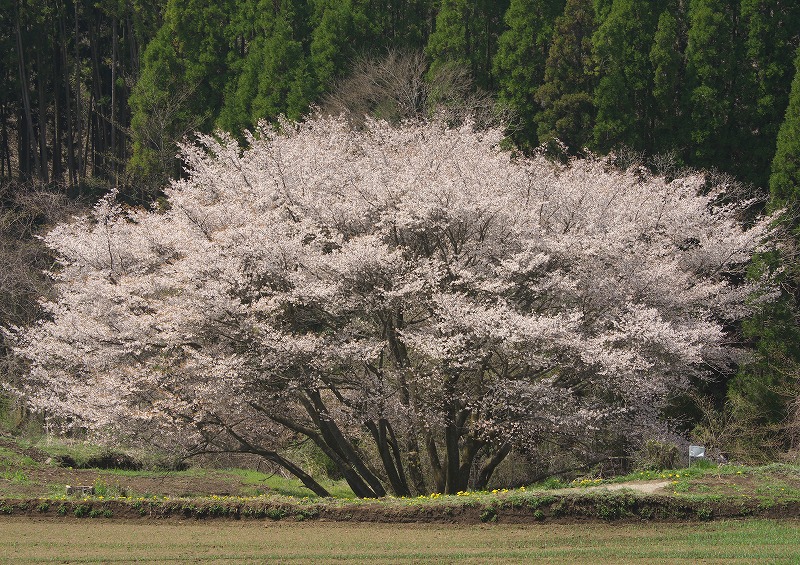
x=95, y=96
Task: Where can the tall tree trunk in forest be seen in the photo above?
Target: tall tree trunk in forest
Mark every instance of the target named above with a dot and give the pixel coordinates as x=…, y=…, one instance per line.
x=57, y=170
x=62, y=39
x=81, y=161
x=26, y=106
x=40, y=87
x=114, y=156
x=99, y=138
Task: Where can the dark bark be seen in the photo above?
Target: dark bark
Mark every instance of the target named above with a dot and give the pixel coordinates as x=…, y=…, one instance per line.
x=452, y=466
x=62, y=36
x=305, y=478
x=100, y=141
x=336, y=440
x=436, y=465
x=41, y=88
x=114, y=155
x=395, y=447
x=354, y=481
x=489, y=466
x=28, y=136
x=5, y=156
x=58, y=126
x=390, y=457
x=81, y=161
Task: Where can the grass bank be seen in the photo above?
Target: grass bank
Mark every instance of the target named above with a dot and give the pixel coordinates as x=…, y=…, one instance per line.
x=31, y=485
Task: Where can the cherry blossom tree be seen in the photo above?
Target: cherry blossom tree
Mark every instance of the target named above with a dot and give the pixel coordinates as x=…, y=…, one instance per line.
x=415, y=301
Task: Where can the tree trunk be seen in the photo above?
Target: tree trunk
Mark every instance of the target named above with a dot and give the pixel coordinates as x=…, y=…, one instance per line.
x=62, y=36
x=5, y=156
x=28, y=137
x=489, y=466
x=336, y=440
x=452, y=465
x=114, y=156
x=389, y=456
x=40, y=83
x=81, y=161
x=58, y=119
x=436, y=465
x=305, y=478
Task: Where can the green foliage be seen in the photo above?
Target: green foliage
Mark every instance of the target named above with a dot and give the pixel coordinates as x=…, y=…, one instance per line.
x=612, y=506
x=275, y=513
x=341, y=29
x=519, y=64
x=567, y=94
x=667, y=64
x=623, y=96
x=705, y=513
x=784, y=182
x=769, y=35
x=273, y=77
x=449, y=43
x=465, y=36
x=710, y=77
x=658, y=455
x=489, y=515
x=181, y=85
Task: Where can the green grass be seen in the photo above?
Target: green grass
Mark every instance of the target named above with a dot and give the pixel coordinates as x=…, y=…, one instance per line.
x=287, y=486
x=696, y=471
x=292, y=542
x=13, y=466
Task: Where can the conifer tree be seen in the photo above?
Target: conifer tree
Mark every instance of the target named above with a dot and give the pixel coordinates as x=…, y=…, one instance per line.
x=566, y=97
x=342, y=29
x=449, y=43
x=466, y=35
x=180, y=89
x=784, y=183
x=769, y=31
x=521, y=57
x=623, y=95
x=711, y=81
x=273, y=78
x=666, y=58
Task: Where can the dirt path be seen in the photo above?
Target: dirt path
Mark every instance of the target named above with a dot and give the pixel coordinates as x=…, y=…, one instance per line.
x=647, y=487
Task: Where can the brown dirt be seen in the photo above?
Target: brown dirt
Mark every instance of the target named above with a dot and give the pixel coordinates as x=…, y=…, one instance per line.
x=646, y=487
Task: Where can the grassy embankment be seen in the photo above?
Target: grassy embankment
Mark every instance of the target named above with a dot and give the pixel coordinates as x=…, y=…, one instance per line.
x=31, y=485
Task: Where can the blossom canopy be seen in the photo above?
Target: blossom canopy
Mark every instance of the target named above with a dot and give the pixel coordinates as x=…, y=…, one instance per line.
x=414, y=300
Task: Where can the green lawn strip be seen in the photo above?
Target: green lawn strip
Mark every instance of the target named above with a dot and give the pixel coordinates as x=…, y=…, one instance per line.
x=82, y=541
